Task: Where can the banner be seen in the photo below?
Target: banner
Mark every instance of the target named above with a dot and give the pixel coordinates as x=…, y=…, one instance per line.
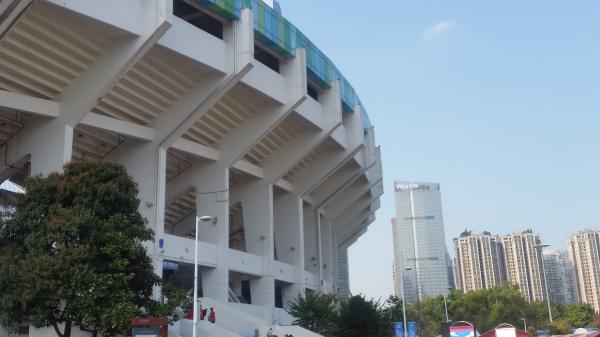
x=412, y=329
x=399, y=329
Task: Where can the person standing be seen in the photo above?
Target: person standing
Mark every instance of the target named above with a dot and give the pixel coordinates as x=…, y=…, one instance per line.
x=212, y=316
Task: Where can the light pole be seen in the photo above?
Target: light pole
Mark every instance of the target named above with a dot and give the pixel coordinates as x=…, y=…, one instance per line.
x=541, y=248
x=404, y=303
x=446, y=304
x=204, y=218
x=446, y=307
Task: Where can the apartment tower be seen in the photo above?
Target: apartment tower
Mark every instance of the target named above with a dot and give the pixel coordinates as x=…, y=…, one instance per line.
x=584, y=251
x=479, y=261
x=524, y=264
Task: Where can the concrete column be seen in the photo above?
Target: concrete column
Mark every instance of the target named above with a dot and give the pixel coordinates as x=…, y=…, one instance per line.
x=257, y=200
x=311, y=239
x=145, y=163
x=50, y=144
x=212, y=187
x=326, y=249
x=289, y=240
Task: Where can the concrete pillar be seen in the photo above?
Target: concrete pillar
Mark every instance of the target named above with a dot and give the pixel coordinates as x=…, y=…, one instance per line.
x=326, y=249
x=257, y=200
x=145, y=163
x=212, y=187
x=50, y=143
x=289, y=240
x=311, y=240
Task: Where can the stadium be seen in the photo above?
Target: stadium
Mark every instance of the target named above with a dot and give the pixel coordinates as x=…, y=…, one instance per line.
x=217, y=108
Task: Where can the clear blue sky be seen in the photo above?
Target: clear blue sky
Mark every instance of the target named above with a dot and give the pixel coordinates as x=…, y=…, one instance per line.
x=498, y=101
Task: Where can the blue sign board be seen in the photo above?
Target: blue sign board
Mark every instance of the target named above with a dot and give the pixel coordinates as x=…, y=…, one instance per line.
x=145, y=332
x=399, y=329
x=411, y=328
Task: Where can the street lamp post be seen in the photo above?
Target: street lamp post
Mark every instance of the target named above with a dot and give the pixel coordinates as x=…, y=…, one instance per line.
x=204, y=218
x=404, y=303
x=541, y=248
x=524, y=322
x=446, y=307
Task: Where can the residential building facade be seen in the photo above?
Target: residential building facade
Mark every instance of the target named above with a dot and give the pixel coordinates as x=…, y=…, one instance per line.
x=479, y=261
x=584, y=251
x=420, y=254
x=524, y=268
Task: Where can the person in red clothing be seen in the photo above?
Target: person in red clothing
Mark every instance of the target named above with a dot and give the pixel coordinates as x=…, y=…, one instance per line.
x=212, y=316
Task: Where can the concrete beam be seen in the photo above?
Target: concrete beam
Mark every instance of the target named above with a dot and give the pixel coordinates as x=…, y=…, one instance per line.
x=171, y=125
x=324, y=196
x=28, y=104
x=196, y=149
x=335, y=206
x=293, y=152
x=10, y=11
x=365, y=201
x=342, y=178
x=89, y=88
x=246, y=136
x=361, y=223
x=127, y=129
x=315, y=174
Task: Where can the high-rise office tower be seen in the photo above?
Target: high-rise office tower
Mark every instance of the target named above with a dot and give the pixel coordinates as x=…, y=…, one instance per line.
x=560, y=276
x=420, y=262
x=479, y=261
x=524, y=267
x=584, y=251
x=343, y=274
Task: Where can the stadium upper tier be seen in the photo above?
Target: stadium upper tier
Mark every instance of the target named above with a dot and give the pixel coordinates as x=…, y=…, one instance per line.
x=281, y=37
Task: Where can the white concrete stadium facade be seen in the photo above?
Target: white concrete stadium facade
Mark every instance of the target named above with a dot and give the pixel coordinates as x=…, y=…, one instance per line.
x=203, y=128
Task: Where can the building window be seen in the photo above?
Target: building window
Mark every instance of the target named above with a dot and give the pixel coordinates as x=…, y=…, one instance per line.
x=312, y=92
x=264, y=57
x=193, y=15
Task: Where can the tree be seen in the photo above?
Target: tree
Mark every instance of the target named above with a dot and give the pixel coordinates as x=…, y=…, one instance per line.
x=315, y=312
x=488, y=307
x=578, y=315
x=73, y=252
x=360, y=317
x=595, y=323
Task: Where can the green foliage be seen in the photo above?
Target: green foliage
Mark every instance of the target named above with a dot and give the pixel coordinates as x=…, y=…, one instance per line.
x=315, y=312
x=72, y=252
x=559, y=327
x=595, y=323
x=578, y=315
x=488, y=308
x=360, y=317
